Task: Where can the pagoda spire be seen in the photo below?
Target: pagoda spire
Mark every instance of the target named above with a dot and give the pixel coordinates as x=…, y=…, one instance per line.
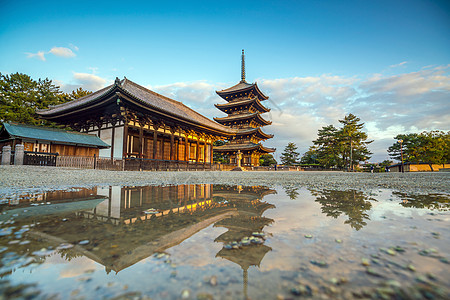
x=243, y=67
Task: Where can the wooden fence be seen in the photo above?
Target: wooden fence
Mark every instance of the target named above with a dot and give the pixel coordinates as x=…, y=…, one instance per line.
x=40, y=158
x=89, y=162
x=129, y=164
x=138, y=164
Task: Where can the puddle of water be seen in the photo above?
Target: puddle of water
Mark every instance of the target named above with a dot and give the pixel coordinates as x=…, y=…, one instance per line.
x=224, y=242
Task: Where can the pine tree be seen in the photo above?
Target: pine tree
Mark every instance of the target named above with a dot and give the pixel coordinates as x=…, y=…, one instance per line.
x=290, y=157
x=328, y=147
x=21, y=96
x=353, y=142
x=342, y=147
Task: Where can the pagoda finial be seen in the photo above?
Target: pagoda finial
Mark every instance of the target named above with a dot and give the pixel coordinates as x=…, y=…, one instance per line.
x=243, y=67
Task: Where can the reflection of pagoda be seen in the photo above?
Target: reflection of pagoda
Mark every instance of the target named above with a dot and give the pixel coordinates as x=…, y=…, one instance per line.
x=249, y=221
x=244, y=109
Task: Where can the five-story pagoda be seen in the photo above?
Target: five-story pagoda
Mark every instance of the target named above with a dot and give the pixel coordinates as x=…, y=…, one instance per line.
x=244, y=109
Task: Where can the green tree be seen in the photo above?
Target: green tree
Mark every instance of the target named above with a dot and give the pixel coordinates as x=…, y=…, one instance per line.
x=353, y=142
x=310, y=157
x=327, y=147
x=342, y=147
x=290, y=156
x=219, y=157
x=409, y=147
x=267, y=160
x=386, y=163
x=21, y=96
x=78, y=93
x=427, y=147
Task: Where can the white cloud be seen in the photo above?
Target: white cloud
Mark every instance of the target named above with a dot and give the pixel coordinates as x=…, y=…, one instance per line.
x=89, y=82
x=198, y=95
x=58, y=51
x=40, y=55
x=403, y=63
x=86, y=81
x=62, y=51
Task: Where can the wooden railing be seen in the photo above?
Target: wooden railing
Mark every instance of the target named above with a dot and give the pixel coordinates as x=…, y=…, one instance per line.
x=89, y=162
x=40, y=158
x=137, y=164
x=130, y=164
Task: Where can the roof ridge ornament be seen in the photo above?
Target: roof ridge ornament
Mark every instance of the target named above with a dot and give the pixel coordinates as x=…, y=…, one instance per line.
x=117, y=81
x=243, y=67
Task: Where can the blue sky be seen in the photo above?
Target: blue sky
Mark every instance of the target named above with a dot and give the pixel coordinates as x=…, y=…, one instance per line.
x=385, y=61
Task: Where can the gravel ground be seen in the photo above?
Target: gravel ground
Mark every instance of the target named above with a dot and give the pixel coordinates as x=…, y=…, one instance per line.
x=16, y=180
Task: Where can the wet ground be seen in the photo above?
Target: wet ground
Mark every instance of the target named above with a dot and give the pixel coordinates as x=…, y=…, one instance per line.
x=209, y=241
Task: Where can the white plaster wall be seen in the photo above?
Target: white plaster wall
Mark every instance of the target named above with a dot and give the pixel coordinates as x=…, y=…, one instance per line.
x=118, y=143
x=106, y=136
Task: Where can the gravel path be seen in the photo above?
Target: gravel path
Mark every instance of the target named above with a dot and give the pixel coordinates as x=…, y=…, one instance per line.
x=26, y=179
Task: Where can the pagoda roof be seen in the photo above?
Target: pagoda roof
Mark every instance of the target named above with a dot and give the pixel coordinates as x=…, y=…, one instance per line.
x=254, y=131
x=246, y=256
x=241, y=102
x=233, y=147
x=242, y=87
x=239, y=117
x=51, y=135
x=145, y=99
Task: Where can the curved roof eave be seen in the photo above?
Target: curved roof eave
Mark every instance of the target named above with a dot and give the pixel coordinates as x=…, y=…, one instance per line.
x=256, y=101
x=80, y=102
x=237, y=89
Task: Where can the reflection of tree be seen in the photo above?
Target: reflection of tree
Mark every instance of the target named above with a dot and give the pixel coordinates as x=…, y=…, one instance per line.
x=432, y=201
x=69, y=254
x=291, y=191
x=352, y=203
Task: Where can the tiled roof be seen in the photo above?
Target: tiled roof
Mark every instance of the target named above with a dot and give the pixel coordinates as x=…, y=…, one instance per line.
x=245, y=116
x=244, y=146
x=242, y=102
x=59, y=136
x=240, y=86
x=74, y=103
x=148, y=98
x=257, y=130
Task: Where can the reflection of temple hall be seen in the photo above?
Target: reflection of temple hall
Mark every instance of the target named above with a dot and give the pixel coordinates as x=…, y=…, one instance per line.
x=120, y=234
x=248, y=201
x=244, y=109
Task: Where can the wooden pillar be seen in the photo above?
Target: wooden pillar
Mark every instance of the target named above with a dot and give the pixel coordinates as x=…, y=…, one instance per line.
x=211, y=154
x=125, y=139
x=155, y=141
x=172, y=143
x=204, y=151
x=113, y=133
x=141, y=141
x=197, y=155
x=161, y=150
x=187, y=148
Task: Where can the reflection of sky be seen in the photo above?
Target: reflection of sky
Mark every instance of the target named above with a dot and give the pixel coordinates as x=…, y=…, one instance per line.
x=389, y=224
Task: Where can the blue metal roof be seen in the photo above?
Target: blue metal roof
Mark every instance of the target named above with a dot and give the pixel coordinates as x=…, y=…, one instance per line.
x=57, y=136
